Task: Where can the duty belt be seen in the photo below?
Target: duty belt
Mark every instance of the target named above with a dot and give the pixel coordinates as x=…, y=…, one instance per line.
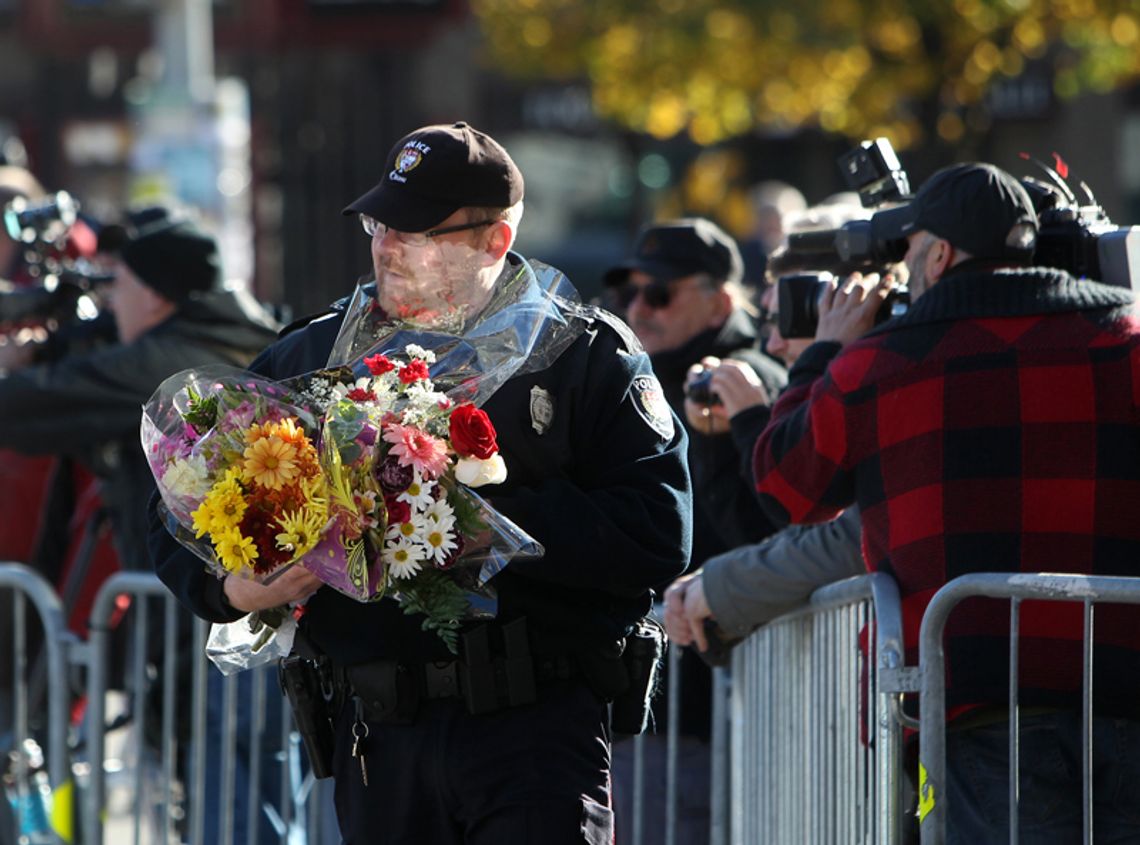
x=391, y=690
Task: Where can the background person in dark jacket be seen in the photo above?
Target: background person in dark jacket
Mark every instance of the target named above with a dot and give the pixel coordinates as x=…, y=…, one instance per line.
x=681, y=295
x=171, y=312
x=595, y=472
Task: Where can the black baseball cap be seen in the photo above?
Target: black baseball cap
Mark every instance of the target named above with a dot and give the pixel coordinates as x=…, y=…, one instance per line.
x=680, y=248
x=976, y=207
x=437, y=170
x=169, y=254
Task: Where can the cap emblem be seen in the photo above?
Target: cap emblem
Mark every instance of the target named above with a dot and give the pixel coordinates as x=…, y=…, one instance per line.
x=408, y=160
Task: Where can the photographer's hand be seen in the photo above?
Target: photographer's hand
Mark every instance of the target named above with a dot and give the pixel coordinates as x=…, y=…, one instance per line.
x=738, y=387
x=734, y=383
x=847, y=311
x=686, y=610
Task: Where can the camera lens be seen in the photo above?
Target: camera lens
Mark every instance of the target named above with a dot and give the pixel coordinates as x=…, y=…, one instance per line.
x=799, y=295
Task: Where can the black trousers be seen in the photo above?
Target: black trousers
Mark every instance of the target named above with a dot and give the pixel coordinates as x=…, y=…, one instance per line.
x=537, y=773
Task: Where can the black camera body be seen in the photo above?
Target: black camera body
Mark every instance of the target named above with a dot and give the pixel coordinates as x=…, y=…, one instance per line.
x=699, y=389
x=799, y=294
x=58, y=287
x=1081, y=239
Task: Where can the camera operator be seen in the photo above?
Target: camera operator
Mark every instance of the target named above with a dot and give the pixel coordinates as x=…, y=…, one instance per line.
x=171, y=312
x=680, y=292
x=993, y=427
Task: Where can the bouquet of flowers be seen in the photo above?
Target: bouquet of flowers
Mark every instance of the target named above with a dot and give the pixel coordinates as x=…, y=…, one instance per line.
x=366, y=481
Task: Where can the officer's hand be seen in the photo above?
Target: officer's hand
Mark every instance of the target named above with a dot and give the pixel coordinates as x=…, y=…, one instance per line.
x=293, y=586
x=686, y=610
x=847, y=311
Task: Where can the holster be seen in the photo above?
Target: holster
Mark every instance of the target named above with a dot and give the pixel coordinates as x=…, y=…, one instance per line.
x=309, y=688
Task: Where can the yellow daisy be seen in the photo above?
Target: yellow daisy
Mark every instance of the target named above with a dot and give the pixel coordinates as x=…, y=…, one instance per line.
x=221, y=510
x=237, y=553
x=270, y=462
x=301, y=529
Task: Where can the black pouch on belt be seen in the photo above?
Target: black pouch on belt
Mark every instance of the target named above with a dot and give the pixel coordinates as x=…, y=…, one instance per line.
x=388, y=690
x=643, y=655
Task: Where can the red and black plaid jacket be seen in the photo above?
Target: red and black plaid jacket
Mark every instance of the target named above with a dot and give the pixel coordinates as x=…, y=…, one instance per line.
x=994, y=427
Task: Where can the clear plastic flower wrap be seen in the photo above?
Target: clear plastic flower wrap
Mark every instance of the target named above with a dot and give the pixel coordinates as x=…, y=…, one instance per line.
x=529, y=322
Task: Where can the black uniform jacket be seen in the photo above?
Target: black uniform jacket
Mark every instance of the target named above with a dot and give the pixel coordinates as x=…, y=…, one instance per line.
x=604, y=488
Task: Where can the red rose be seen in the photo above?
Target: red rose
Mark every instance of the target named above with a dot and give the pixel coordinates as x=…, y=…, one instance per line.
x=413, y=372
x=472, y=434
x=379, y=364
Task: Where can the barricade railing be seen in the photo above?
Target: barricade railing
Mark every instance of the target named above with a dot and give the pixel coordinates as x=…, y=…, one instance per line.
x=35, y=696
x=144, y=741
x=816, y=742
x=225, y=742
x=1085, y=589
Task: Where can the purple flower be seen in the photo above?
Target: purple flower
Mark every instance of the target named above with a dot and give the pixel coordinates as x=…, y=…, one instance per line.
x=240, y=417
x=367, y=436
x=393, y=476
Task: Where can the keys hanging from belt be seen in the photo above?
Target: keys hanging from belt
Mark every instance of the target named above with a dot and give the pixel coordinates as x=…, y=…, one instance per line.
x=359, y=733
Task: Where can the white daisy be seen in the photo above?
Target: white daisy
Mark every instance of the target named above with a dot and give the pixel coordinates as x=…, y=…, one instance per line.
x=439, y=515
x=420, y=493
x=403, y=558
x=439, y=543
x=413, y=530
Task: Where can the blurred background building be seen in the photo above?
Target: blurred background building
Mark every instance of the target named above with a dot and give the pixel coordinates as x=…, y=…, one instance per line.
x=270, y=115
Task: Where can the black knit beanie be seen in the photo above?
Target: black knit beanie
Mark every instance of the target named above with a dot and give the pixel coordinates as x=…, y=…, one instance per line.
x=172, y=257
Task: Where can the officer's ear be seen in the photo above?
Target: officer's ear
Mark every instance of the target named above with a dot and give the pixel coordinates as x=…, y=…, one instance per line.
x=498, y=240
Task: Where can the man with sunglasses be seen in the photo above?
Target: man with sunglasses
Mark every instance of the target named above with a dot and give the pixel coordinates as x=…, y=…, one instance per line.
x=595, y=472
x=681, y=294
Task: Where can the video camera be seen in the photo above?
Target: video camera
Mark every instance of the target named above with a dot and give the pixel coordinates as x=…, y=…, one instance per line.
x=873, y=170
x=58, y=287
x=1079, y=239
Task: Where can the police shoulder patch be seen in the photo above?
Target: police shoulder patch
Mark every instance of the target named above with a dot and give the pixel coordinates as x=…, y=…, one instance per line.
x=649, y=401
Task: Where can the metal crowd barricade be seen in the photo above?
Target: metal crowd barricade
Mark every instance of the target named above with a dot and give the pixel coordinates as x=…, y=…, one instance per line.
x=816, y=742
x=34, y=697
x=1086, y=589
x=170, y=800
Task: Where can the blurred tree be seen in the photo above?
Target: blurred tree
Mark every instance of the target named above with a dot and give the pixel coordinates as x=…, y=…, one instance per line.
x=860, y=68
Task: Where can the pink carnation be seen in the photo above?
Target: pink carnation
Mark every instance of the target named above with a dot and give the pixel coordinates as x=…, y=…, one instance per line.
x=417, y=449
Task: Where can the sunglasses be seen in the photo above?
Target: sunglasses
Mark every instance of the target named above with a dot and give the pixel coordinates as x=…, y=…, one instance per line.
x=656, y=295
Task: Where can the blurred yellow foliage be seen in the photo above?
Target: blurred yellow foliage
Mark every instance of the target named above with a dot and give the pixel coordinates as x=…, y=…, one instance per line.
x=718, y=68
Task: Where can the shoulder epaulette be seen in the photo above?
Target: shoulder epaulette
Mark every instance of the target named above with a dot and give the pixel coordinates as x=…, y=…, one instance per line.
x=594, y=313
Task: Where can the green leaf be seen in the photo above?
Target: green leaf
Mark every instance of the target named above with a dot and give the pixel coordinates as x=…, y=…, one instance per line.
x=442, y=601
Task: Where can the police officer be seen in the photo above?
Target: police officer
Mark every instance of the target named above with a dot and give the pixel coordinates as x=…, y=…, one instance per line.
x=596, y=473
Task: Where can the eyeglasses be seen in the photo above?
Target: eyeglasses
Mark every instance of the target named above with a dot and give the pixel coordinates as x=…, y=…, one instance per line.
x=657, y=294
x=372, y=226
